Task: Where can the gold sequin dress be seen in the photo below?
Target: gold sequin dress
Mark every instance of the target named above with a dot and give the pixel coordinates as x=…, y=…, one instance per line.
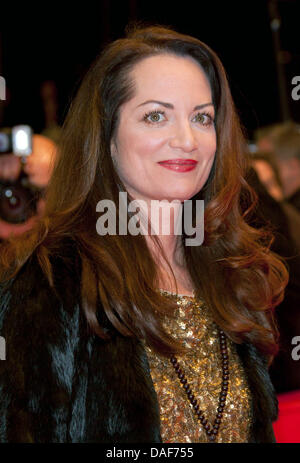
x=203, y=371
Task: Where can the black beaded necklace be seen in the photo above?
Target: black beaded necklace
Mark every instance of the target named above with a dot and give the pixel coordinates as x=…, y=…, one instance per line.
x=211, y=431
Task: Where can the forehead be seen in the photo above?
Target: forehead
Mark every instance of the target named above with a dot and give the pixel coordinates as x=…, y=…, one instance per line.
x=170, y=73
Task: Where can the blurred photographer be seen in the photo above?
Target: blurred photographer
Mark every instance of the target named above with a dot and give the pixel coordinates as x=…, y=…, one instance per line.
x=282, y=141
x=23, y=177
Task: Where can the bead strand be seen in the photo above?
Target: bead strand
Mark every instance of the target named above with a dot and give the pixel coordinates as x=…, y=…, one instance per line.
x=211, y=431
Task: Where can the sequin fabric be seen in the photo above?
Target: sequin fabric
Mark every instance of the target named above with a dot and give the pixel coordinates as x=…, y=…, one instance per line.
x=202, y=368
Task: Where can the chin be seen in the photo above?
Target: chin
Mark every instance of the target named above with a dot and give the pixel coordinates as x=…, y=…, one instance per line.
x=180, y=197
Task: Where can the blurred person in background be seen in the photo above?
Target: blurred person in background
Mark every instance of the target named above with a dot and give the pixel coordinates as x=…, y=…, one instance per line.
x=268, y=170
x=283, y=142
x=38, y=168
x=273, y=211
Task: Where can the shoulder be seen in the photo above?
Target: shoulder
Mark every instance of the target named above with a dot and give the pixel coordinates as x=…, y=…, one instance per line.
x=45, y=334
x=31, y=307
x=31, y=280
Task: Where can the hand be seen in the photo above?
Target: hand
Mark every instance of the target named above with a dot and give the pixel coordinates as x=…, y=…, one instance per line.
x=10, y=167
x=39, y=164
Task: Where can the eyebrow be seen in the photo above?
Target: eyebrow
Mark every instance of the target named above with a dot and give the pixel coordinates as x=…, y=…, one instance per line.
x=170, y=106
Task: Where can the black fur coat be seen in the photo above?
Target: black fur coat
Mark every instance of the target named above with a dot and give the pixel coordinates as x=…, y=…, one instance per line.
x=61, y=384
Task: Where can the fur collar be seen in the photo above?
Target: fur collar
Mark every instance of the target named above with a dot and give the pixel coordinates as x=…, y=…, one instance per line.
x=61, y=384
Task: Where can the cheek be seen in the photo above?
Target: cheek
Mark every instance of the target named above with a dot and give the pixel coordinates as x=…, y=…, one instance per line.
x=208, y=145
x=139, y=147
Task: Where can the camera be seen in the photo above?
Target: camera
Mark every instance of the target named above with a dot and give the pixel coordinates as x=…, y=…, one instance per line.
x=18, y=199
x=16, y=140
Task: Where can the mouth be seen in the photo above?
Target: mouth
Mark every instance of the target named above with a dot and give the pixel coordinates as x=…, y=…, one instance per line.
x=179, y=165
x=179, y=162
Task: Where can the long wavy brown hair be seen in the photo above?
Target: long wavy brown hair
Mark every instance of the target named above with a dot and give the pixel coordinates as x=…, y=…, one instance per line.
x=234, y=271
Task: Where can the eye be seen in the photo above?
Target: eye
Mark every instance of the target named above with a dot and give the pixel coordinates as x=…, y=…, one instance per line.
x=203, y=118
x=154, y=117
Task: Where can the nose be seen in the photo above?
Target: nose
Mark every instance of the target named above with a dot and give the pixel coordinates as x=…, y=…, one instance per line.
x=184, y=137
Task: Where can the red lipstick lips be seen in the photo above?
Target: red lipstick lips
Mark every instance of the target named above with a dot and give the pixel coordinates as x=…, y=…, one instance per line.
x=179, y=165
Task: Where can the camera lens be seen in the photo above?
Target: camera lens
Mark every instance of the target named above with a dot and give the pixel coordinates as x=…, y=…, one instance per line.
x=17, y=204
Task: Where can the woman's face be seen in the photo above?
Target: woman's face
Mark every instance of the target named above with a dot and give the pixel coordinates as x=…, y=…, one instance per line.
x=165, y=143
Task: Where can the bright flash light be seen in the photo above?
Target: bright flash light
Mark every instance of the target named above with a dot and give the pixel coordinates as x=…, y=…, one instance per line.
x=22, y=139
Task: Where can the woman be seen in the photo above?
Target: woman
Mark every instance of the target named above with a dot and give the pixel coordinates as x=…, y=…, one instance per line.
x=133, y=337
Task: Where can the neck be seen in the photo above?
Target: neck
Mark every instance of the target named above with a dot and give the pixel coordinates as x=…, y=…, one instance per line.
x=171, y=249
x=164, y=226
x=164, y=218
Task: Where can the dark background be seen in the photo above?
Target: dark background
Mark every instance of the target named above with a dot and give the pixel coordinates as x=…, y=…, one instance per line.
x=48, y=42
